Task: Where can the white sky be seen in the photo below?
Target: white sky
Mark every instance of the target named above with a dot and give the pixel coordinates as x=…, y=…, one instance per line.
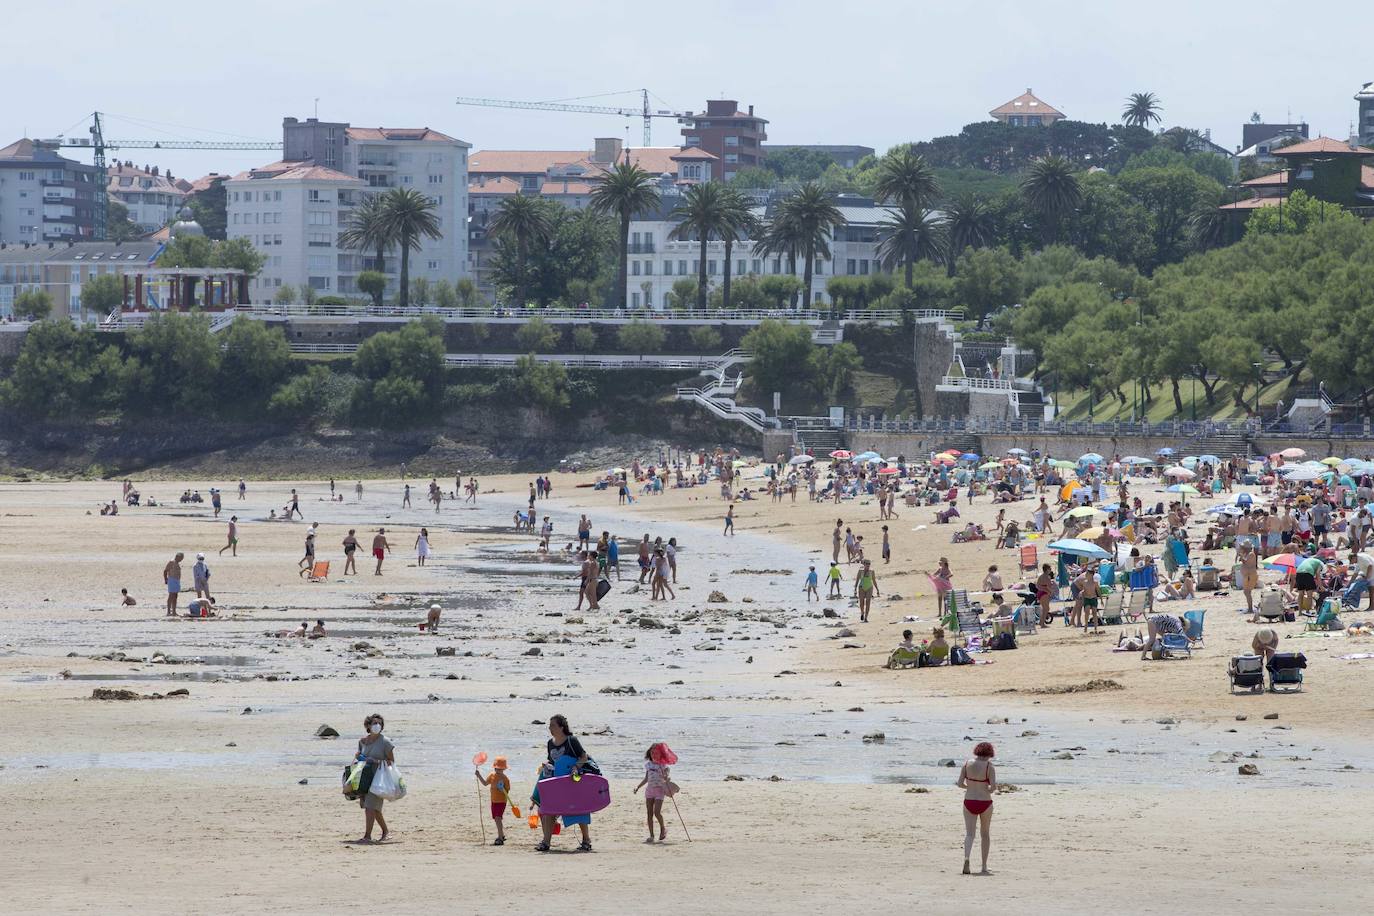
x=875, y=73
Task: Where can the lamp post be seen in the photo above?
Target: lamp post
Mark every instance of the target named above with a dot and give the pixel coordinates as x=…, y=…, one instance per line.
x=1259, y=383
x=1091, y=380
x=1192, y=382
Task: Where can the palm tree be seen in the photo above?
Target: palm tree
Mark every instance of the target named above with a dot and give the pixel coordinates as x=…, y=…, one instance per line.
x=409, y=217
x=781, y=239
x=525, y=221
x=1142, y=109
x=1210, y=226
x=810, y=217
x=970, y=223
x=366, y=230
x=627, y=190
x=701, y=214
x=739, y=223
x=906, y=179
x=1051, y=189
x=908, y=235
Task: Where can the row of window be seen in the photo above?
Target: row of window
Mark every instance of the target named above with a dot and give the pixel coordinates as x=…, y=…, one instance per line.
x=755, y=266
x=256, y=196
x=256, y=219
x=648, y=299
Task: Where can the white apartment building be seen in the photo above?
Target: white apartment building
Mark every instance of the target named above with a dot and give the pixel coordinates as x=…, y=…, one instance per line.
x=292, y=212
x=152, y=197
x=656, y=263
x=427, y=161
x=45, y=197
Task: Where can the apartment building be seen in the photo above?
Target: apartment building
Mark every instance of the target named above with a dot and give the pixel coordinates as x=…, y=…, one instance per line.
x=735, y=138
x=152, y=196
x=656, y=262
x=292, y=212
x=60, y=268
x=45, y=197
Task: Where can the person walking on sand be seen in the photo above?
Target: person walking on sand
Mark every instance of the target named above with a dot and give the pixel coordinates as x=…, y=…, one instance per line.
x=978, y=779
x=350, y=546
x=812, y=581
x=307, y=562
x=656, y=783
x=729, y=521
x=215, y=501
x=295, y=505
x=380, y=548
x=865, y=587
x=171, y=575
x=243, y=489
x=887, y=547
x=834, y=576
x=661, y=573
x=836, y=539
x=499, y=784
x=644, y=566
x=670, y=551
x=584, y=532
x=358, y=489
x=405, y=498
x=422, y=547
x=376, y=749
x=233, y=543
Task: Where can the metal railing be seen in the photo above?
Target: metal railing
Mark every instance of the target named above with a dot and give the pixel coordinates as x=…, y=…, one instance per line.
x=727, y=409
x=300, y=310
x=716, y=364
x=1174, y=429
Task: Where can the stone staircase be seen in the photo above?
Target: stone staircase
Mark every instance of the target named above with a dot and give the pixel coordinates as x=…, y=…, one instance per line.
x=1223, y=445
x=817, y=437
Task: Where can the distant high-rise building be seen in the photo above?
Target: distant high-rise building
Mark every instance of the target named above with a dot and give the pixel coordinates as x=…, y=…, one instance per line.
x=1364, y=128
x=734, y=137
x=1027, y=111
x=321, y=141
x=44, y=197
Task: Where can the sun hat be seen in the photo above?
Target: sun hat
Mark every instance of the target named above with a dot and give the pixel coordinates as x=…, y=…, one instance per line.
x=1266, y=636
x=499, y=763
x=200, y=556
x=662, y=755
x=435, y=607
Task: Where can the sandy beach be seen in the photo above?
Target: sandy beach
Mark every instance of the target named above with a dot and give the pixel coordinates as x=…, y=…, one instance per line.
x=807, y=769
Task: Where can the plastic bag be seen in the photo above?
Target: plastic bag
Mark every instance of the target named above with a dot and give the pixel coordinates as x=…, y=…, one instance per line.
x=388, y=784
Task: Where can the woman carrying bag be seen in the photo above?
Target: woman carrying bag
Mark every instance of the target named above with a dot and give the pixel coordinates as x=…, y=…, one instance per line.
x=374, y=747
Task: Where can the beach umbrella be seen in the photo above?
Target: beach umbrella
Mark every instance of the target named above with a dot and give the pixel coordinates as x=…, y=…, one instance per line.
x=1294, y=452
x=1063, y=465
x=887, y=471
x=1244, y=499
x=968, y=456
x=1227, y=509
x=943, y=459
x=1190, y=462
x=865, y=456
x=1209, y=459
x=1091, y=458
x=616, y=471
x=990, y=466
x=1017, y=451
x=1282, y=561
x=1186, y=489
x=1084, y=512
x=841, y=453
x=1300, y=474
x=1347, y=480
x=1136, y=459
x=1164, y=451
x=953, y=451
x=1093, y=533
x=1332, y=461
x=1179, y=472
x=894, y=460
x=801, y=459
x=1080, y=548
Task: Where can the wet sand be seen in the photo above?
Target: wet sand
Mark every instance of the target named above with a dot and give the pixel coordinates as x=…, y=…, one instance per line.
x=1108, y=788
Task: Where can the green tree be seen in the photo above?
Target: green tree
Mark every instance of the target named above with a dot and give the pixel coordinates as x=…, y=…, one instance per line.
x=316, y=394
x=987, y=279
x=797, y=163
x=834, y=367
x=1142, y=109
x=238, y=254
x=62, y=371
x=683, y=293
x=779, y=289
x=1052, y=192
x=737, y=222
x=537, y=336
x=445, y=296
x=755, y=177
x=1295, y=216
x=905, y=179
x=583, y=339
x=180, y=363
x=525, y=222
x=780, y=350
x=700, y=215
x=782, y=239
x=640, y=337
x=187, y=251
x=704, y=338
x=32, y=305
x=812, y=218
x=1110, y=222
x=625, y=192
x=466, y=291
x=969, y=223
x=118, y=226
x=1170, y=196
x=911, y=235
x=286, y=295
x=401, y=373
x=541, y=384
x=370, y=282
x=255, y=360
x=420, y=291
x=369, y=230
x=102, y=294
x=210, y=207
x=410, y=218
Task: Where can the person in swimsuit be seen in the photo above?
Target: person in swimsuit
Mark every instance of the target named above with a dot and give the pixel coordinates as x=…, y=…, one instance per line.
x=171, y=575
x=307, y=562
x=233, y=543
x=1044, y=588
x=978, y=779
x=350, y=546
x=866, y=586
x=380, y=548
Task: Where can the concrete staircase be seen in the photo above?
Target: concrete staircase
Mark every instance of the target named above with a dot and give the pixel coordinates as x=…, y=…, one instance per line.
x=1223, y=445
x=817, y=437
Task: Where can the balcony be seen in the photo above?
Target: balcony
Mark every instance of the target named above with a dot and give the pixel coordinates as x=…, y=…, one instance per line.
x=376, y=164
x=642, y=247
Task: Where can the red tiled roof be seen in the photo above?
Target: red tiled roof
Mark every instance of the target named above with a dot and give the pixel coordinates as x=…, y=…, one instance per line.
x=521, y=161
x=565, y=186
x=692, y=152
x=494, y=186
x=1252, y=203
x=205, y=182
x=295, y=171
x=19, y=149
x=1273, y=179
x=1025, y=104
x=396, y=133
x=1322, y=145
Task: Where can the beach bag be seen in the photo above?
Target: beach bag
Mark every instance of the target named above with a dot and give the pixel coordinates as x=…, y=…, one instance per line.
x=603, y=587
x=388, y=784
x=1004, y=641
x=959, y=656
x=923, y=660
x=357, y=779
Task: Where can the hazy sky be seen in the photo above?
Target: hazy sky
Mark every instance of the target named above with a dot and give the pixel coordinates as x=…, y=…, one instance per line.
x=875, y=73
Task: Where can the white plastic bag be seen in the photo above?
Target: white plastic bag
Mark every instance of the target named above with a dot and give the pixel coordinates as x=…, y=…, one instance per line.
x=388, y=784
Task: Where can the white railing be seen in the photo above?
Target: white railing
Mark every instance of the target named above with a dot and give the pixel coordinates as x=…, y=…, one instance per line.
x=565, y=316
x=985, y=384
x=727, y=409
x=716, y=364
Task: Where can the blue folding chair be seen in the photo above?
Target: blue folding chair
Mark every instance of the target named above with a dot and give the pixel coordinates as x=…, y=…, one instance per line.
x=1194, y=619
x=1175, y=645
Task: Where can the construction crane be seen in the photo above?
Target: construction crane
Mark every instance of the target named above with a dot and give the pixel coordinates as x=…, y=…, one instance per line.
x=98, y=145
x=644, y=111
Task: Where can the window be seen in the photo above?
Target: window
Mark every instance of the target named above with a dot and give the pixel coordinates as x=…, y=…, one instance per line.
x=863, y=267
x=667, y=268
x=682, y=268
x=820, y=267
x=694, y=141
x=739, y=267
x=319, y=283
x=320, y=218
x=757, y=265
x=649, y=267
x=314, y=196
x=276, y=195
x=850, y=267
x=634, y=268
x=320, y=240
x=236, y=197
x=276, y=239
x=405, y=179
x=634, y=300
x=433, y=265
x=732, y=157
x=777, y=265
x=732, y=141
x=26, y=176
x=634, y=238
x=529, y=183
x=711, y=267
x=405, y=157
x=436, y=179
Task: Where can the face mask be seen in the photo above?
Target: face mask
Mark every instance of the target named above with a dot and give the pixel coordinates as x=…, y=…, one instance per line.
x=376, y=728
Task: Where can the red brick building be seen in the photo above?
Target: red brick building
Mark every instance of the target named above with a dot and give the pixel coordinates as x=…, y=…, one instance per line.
x=734, y=137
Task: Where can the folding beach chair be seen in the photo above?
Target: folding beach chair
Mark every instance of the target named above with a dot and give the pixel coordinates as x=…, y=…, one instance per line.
x=1111, y=611
x=1208, y=579
x=1029, y=558
x=1246, y=672
x=963, y=617
x=903, y=657
x=1194, y=619
x=1285, y=672
x=319, y=572
x=1270, y=605
x=1175, y=645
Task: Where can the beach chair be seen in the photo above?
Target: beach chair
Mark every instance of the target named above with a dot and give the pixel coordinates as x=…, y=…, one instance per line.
x=1285, y=672
x=963, y=617
x=1194, y=619
x=1208, y=579
x=1029, y=558
x=1246, y=672
x=1130, y=613
x=319, y=572
x=1024, y=619
x=1175, y=645
x=1270, y=606
x=903, y=657
x=1111, y=611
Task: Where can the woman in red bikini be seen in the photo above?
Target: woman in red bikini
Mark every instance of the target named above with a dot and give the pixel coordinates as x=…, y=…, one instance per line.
x=978, y=779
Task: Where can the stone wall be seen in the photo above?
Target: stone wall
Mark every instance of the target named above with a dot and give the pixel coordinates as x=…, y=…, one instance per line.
x=12, y=339
x=912, y=444
x=933, y=351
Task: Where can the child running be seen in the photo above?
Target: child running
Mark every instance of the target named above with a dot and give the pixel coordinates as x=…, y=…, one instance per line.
x=500, y=791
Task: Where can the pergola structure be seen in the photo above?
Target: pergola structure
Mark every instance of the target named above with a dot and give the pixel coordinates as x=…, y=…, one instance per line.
x=183, y=288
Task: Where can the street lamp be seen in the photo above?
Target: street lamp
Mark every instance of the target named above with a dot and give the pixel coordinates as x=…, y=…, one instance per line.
x=1259, y=383
x=1091, y=378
